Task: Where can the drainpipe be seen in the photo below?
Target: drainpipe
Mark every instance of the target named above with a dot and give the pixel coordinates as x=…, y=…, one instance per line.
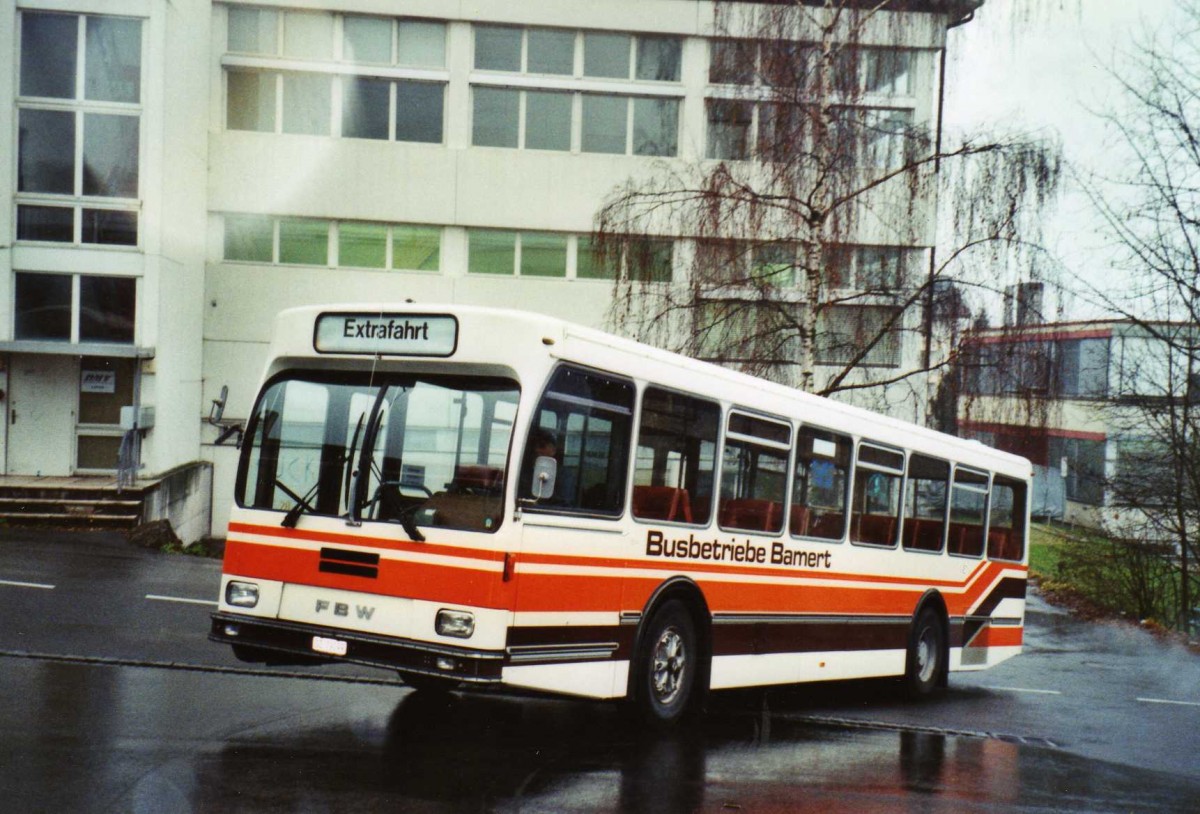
x=937, y=168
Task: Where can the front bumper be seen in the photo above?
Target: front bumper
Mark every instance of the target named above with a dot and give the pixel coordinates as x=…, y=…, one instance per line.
x=296, y=639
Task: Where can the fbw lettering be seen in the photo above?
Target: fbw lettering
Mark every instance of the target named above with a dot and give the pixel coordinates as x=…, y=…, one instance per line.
x=342, y=609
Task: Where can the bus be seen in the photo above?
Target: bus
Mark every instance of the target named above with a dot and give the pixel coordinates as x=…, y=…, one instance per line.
x=475, y=496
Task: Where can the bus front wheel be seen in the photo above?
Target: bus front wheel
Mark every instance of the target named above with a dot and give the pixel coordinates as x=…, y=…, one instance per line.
x=926, y=661
x=666, y=666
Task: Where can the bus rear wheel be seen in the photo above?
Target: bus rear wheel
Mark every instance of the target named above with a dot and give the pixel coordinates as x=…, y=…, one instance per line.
x=926, y=663
x=666, y=666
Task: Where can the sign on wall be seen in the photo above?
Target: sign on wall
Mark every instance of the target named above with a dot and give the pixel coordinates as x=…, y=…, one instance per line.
x=98, y=381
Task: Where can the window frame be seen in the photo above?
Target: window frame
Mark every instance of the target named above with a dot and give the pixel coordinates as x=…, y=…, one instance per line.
x=78, y=202
x=847, y=486
x=341, y=72
x=75, y=305
x=986, y=491
x=947, y=482
x=870, y=466
x=714, y=473
x=634, y=91
x=761, y=442
x=532, y=423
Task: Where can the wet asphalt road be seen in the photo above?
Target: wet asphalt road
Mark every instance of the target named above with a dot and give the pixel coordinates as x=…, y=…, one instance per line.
x=117, y=702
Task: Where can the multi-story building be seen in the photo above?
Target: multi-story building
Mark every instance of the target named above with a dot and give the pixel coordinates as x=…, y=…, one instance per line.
x=1096, y=406
x=180, y=171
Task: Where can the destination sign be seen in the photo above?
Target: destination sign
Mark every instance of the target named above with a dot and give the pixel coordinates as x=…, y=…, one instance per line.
x=386, y=334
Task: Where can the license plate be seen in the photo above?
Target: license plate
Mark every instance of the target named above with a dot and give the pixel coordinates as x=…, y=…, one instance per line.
x=334, y=647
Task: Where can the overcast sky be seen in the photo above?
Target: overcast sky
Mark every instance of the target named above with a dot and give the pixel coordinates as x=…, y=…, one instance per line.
x=1045, y=73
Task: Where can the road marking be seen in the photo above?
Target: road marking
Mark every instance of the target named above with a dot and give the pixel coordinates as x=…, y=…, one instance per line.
x=1166, y=701
x=1026, y=689
x=16, y=584
x=180, y=599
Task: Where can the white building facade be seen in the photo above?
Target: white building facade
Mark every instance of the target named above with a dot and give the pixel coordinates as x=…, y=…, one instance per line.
x=181, y=171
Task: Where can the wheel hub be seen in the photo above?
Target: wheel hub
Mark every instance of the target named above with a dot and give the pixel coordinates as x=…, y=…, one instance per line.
x=669, y=666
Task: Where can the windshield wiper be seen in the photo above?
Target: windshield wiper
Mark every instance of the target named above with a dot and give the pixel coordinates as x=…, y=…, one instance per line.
x=409, y=524
x=348, y=469
x=301, y=505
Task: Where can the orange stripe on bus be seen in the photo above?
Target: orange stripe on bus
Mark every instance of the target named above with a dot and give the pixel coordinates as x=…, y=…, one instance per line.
x=435, y=583
x=592, y=592
x=343, y=538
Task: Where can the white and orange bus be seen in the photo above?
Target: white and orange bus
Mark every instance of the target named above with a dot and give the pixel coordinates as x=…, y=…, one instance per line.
x=478, y=496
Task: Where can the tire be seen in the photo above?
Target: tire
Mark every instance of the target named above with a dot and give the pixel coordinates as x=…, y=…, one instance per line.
x=429, y=685
x=926, y=662
x=666, y=666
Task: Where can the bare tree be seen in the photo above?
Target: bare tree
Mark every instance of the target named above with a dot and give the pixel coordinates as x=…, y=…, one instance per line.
x=1151, y=209
x=811, y=219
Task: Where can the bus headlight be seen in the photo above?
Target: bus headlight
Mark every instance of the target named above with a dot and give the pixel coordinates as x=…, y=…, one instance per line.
x=459, y=624
x=241, y=594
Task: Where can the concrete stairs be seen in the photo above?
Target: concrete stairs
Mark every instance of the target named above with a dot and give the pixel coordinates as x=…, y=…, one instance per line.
x=78, y=502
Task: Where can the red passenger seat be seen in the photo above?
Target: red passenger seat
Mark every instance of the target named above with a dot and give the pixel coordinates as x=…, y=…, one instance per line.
x=662, y=503
x=879, y=529
x=752, y=514
x=799, y=520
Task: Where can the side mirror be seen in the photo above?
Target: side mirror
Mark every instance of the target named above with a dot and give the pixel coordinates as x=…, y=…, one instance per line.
x=217, y=410
x=545, y=469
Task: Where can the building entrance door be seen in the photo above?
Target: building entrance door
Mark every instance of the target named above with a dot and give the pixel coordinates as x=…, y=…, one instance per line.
x=42, y=398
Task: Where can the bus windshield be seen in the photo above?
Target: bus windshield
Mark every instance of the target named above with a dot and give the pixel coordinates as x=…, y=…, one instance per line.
x=429, y=450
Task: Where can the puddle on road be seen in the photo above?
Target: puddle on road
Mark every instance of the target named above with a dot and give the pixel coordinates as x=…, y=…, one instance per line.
x=491, y=753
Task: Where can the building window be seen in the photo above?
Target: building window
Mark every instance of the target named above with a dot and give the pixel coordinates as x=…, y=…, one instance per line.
x=362, y=245
x=43, y=307
x=529, y=254
x=1085, y=467
x=497, y=115
x=873, y=269
x=551, y=52
x=75, y=308
x=541, y=254
x=288, y=99
x=303, y=241
x=1083, y=367
x=730, y=124
x=416, y=248
x=79, y=129
x=313, y=242
x=547, y=120
x=621, y=122
x=844, y=330
x=590, y=263
x=778, y=129
x=743, y=264
x=790, y=64
x=107, y=309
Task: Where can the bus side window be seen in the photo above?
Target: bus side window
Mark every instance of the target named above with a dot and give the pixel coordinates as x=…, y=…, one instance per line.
x=822, y=475
x=925, y=503
x=754, y=474
x=583, y=421
x=968, y=512
x=877, y=476
x=676, y=457
x=1006, y=529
